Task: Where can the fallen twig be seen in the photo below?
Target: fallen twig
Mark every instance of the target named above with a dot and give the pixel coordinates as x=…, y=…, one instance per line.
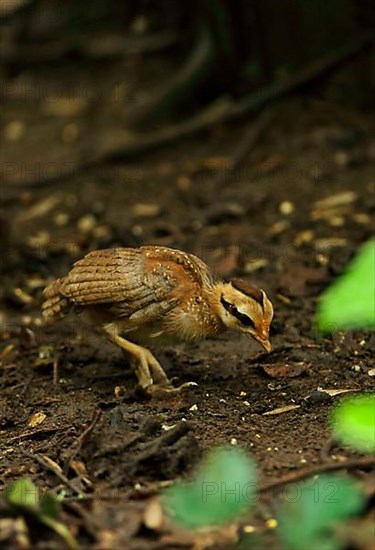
x=365, y=462
x=48, y=465
x=77, y=445
x=253, y=102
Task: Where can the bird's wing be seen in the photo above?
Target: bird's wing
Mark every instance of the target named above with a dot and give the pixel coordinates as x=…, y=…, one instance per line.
x=118, y=277
x=193, y=267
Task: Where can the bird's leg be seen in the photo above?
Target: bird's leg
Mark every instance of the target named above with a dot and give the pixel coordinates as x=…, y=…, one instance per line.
x=150, y=374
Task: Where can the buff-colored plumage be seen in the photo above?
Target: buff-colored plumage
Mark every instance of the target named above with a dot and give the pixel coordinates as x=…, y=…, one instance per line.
x=156, y=295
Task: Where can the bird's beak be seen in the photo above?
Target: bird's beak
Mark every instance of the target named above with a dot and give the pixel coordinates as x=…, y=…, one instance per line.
x=264, y=342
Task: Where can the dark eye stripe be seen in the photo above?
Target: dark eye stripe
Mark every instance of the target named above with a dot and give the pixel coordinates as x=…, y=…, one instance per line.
x=244, y=319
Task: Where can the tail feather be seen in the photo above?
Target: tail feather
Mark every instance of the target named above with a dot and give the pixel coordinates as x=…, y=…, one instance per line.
x=55, y=304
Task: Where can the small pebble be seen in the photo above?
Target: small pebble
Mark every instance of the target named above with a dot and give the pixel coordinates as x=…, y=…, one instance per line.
x=255, y=264
x=248, y=529
x=119, y=391
x=61, y=219
x=86, y=223
x=137, y=230
x=193, y=408
x=166, y=428
x=286, y=208
x=271, y=523
x=14, y=130
x=323, y=260
x=233, y=441
x=146, y=210
x=101, y=231
x=362, y=219
x=336, y=221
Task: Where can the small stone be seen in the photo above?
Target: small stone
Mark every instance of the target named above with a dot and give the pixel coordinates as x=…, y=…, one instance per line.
x=146, y=210
x=243, y=394
x=356, y=368
x=233, y=441
x=362, y=219
x=286, y=208
x=137, y=230
x=87, y=223
x=193, y=408
x=153, y=516
x=271, y=523
x=36, y=419
x=304, y=237
x=14, y=130
x=336, y=221
x=166, y=428
x=248, y=529
x=101, y=231
x=254, y=265
x=323, y=260
x=119, y=391
x=61, y=219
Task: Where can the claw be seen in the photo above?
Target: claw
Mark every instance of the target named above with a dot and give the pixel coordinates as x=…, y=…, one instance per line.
x=167, y=390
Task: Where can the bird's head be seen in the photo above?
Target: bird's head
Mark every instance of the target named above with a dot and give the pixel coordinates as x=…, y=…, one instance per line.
x=245, y=308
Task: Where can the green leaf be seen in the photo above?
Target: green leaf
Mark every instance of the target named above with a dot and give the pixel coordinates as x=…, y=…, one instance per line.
x=313, y=508
x=353, y=423
x=349, y=302
x=23, y=494
x=61, y=530
x=49, y=506
x=223, y=488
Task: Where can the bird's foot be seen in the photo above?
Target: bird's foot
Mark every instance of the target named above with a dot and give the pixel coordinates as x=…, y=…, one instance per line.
x=166, y=390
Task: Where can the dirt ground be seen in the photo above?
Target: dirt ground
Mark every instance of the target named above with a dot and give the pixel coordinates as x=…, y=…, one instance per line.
x=66, y=394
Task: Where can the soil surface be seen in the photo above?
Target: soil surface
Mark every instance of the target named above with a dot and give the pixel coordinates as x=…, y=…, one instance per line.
x=289, y=218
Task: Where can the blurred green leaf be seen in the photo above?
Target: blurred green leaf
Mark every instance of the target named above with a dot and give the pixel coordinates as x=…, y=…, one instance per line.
x=23, y=494
x=353, y=423
x=224, y=487
x=350, y=301
x=317, y=506
x=50, y=506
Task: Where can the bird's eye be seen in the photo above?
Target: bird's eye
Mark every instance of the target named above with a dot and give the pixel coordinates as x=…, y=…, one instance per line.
x=242, y=317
